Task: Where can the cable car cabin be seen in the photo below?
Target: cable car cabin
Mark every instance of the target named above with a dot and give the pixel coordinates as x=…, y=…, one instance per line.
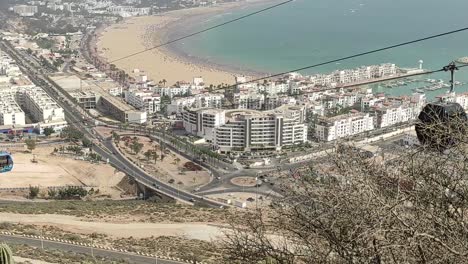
x=440, y=124
x=6, y=162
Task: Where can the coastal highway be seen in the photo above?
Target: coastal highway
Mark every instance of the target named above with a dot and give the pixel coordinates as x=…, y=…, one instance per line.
x=76, y=116
x=132, y=258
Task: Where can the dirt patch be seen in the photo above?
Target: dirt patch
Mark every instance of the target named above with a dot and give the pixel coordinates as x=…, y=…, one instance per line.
x=170, y=169
x=52, y=169
x=244, y=181
x=74, y=224
x=250, y=199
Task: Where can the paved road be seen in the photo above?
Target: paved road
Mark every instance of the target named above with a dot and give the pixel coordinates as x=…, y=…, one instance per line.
x=75, y=115
x=133, y=258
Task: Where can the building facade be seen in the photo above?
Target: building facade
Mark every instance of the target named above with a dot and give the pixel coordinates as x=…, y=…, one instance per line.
x=10, y=111
x=333, y=128
x=144, y=100
x=248, y=130
x=41, y=106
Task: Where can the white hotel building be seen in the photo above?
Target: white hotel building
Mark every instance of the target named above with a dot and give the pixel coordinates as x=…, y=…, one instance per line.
x=197, y=101
x=392, y=114
x=333, y=128
x=144, y=100
x=25, y=10
x=10, y=111
x=248, y=130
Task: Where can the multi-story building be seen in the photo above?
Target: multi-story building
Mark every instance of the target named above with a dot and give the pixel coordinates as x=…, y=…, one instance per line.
x=340, y=100
x=128, y=11
x=248, y=130
x=86, y=99
x=10, y=111
x=25, y=10
x=120, y=110
x=462, y=99
x=206, y=100
x=390, y=115
x=41, y=106
x=354, y=75
x=144, y=100
x=173, y=91
x=203, y=122
x=333, y=128
x=251, y=101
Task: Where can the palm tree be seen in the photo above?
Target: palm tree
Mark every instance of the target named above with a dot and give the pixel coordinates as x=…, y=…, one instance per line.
x=164, y=82
x=155, y=156
x=6, y=256
x=148, y=154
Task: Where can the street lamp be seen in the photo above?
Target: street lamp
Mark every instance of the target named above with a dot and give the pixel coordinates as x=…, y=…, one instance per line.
x=42, y=240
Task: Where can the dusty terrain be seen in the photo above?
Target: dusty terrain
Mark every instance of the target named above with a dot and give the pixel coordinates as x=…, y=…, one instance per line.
x=77, y=225
x=242, y=197
x=139, y=33
x=171, y=167
x=21, y=260
x=56, y=170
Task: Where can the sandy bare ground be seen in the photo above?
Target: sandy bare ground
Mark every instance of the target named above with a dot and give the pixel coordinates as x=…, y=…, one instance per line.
x=242, y=197
x=139, y=33
x=244, y=181
x=169, y=168
x=20, y=260
x=132, y=229
x=53, y=170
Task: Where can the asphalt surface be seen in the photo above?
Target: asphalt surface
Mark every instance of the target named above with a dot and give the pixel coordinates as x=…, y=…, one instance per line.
x=133, y=258
x=76, y=116
x=107, y=150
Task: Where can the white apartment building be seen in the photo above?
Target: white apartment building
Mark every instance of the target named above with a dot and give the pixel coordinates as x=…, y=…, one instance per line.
x=128, y=11
x=275, y=101
x=25, y=10
x=462, y=99
x=251, y=101
x=41, y=106
x=333, y=128
x=272, y=88
x=144, y=100
x=173, y=91
x=203, y=122
x=10, y=111
x=248, y=130
x=340, y=100
x=207, y=100
x=354, y=75
x=390, y=115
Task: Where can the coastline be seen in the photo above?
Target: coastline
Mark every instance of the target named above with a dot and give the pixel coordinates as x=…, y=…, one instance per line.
x=169, y=62
x=184, y=27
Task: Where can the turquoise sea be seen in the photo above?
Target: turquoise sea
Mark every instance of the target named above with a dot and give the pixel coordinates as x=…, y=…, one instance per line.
x=307, y=32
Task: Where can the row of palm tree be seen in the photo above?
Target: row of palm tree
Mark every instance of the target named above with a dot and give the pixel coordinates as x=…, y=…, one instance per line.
x=180, y=144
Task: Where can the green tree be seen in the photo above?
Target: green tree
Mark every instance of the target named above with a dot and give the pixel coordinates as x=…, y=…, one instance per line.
x=137, y=147
x=86, y=143
x=116, y=137
x=71, y=134
x=155, y=156
x=30, y=144
x=6, y=256
x=48, y=131
x=33, y=192
x=72, y=193
x=52, y=193
x=148, y=154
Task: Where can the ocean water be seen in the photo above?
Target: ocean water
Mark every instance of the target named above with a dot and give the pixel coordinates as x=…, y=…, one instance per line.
x=307, y=32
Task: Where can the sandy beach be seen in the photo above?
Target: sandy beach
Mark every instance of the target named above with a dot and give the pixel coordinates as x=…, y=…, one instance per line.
x=139, y=33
